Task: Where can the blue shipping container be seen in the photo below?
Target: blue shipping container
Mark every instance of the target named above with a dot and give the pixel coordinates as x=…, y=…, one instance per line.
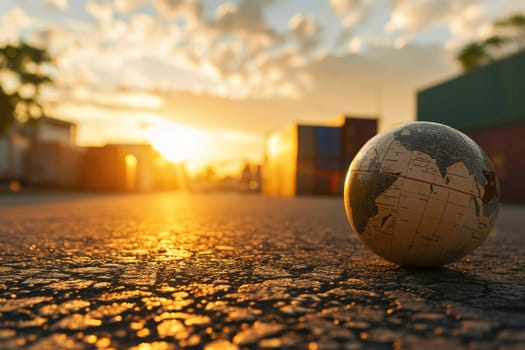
x=328, y=141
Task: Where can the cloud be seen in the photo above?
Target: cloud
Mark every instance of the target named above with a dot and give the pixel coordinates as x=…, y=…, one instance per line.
x=61, y=5
x=190, y=10
x=417, y=15
x=353, y=13
x=355, y=45
x=472, y=24
x=245, y=21
x=340, y=7
x=108, y=97
x=218, y=53
x=466, y=20
x=227, y=47
x=101, y=11
x=125, y=6
x=246, y=17
x=13, y=22
x=306, y=31
x=227, y=57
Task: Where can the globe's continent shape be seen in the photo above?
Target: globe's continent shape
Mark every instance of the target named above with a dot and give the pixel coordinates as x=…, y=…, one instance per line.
x=421, y=195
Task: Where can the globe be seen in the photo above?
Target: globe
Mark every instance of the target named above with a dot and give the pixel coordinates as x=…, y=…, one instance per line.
x=421, y=195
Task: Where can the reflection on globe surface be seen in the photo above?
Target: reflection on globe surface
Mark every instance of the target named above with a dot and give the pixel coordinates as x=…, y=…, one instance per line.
x=421, y=195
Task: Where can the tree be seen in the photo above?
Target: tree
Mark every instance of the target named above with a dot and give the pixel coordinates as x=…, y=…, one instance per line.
x=509, y=37
x=7, y=111
x=22, y=68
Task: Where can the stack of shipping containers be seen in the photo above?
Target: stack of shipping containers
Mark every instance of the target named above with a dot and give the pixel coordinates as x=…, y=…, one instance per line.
x=311, y=159
x=488, y=104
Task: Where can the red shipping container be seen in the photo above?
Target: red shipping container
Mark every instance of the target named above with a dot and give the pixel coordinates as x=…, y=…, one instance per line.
x=505, y=146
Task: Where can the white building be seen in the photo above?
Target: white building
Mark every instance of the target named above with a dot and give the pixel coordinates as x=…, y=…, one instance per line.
x=53, y=130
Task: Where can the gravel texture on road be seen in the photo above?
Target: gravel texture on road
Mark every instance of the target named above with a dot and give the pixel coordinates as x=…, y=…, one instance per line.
x=229, y=271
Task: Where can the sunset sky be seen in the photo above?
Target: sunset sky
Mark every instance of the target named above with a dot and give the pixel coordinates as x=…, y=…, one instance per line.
x=229, y=73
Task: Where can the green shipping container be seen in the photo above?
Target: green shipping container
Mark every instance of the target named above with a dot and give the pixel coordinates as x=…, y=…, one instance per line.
x=489, y=96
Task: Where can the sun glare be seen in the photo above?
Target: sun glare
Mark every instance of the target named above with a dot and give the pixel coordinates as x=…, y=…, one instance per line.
x=177, y=143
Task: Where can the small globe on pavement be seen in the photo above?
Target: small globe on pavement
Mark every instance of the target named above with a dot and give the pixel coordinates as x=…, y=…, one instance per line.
x=421, y=195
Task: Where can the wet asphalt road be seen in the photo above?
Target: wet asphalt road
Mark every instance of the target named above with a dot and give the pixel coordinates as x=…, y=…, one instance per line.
x=227, y=271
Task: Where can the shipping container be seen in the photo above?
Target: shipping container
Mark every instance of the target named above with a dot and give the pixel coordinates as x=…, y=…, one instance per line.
x=53, y=164
x=307, y=159
x=13, y=157
x=120, y=168
x=355, y=133
x=488, y=96
x=328, y=142
x=505, y=146
x=306, y=177
x=104, y=169
x=328, y=182
x=331, y=163
x=306, y=142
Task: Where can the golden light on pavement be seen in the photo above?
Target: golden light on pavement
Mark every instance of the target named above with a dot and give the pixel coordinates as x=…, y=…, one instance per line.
x=177, y=143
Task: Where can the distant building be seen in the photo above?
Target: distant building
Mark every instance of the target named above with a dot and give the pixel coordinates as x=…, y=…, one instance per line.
x=128, y=168
x=311, y=159
x=52, y=130
x=41, y=152
x=488, y=104
x=53, y=159
x=122, y=168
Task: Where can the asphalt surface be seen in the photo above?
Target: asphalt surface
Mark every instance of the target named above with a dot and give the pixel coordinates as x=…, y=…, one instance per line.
x=227, y=271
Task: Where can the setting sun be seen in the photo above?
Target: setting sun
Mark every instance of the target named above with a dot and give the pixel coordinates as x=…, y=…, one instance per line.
x=177, y=143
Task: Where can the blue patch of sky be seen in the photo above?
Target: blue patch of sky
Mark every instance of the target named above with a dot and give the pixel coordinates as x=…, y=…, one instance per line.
x=38, y=8
x=374, y=19
x=145, y=8
x=6, y=6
